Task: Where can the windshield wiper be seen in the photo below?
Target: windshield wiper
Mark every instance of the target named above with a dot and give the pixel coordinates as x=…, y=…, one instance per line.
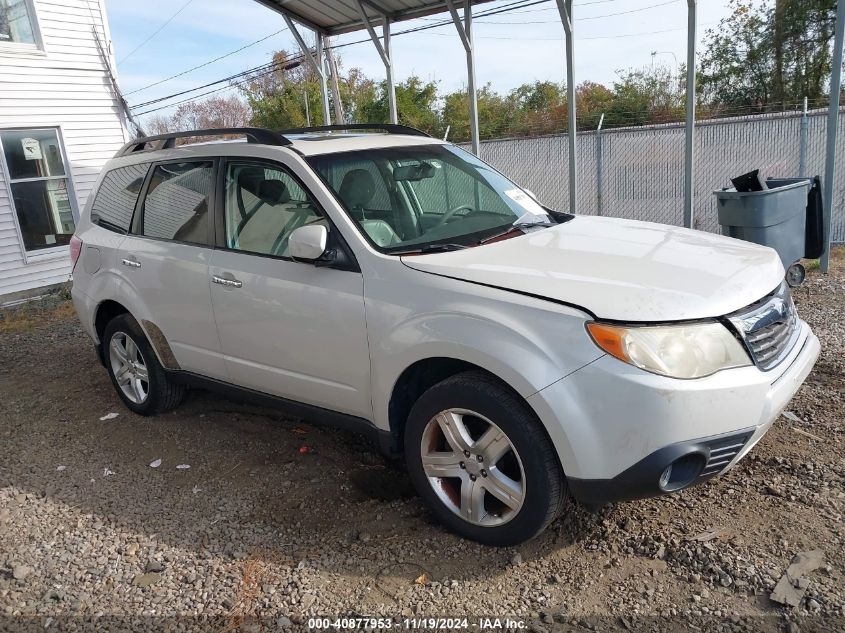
x=432, y=248
x=517, y=226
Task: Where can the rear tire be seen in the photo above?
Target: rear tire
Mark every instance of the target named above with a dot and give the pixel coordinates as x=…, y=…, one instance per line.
x=470, y=435
x=135, y=372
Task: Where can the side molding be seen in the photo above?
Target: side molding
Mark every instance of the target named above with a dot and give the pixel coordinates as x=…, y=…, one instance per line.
x=162, y=347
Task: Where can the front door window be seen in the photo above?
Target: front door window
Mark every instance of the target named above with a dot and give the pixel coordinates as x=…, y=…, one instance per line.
x=264, y=205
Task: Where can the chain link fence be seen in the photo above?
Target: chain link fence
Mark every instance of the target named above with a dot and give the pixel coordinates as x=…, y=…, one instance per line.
x=638, y=173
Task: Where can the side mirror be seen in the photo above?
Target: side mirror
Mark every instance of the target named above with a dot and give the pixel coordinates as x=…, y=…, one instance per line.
x=308, y=243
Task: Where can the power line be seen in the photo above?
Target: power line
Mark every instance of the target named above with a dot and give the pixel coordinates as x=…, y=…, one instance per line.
x=271, y=67
x=290, y=62
x=521, y=3
x=208, y=63
x=156, y=32
x=610, y=15
x=560, y=39
x=515, y=4
x=578, y=19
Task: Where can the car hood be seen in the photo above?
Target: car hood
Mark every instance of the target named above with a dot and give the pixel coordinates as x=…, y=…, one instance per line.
x=620, y=269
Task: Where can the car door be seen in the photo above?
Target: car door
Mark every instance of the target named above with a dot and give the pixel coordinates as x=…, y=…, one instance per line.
x=164, y=264
x=287, y=328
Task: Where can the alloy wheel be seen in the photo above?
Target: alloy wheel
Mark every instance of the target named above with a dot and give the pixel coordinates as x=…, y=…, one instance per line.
x=473, y=467
x=129, y=367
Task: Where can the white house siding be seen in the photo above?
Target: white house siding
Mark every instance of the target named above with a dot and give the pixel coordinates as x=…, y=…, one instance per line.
x=67, y=86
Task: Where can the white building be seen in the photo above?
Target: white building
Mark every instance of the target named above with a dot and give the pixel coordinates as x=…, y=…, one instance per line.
x=60, y=121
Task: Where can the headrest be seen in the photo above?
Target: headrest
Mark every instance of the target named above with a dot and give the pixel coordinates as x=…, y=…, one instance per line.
x=357, y=188
x=269, y=191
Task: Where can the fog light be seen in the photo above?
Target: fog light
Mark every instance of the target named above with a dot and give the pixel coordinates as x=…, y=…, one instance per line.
x=682, y=472
x=664, y=478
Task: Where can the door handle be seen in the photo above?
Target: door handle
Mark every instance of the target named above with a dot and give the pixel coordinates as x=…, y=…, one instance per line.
x=229, y=283
x=131, y=263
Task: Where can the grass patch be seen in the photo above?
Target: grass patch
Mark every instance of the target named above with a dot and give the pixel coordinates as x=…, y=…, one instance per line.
x=33, y=315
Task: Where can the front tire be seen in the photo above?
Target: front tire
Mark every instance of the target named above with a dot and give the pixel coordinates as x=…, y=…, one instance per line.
x=480, y=459
x=135, y=372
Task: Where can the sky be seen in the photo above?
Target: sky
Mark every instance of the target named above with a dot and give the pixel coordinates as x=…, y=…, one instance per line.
x=512, y=48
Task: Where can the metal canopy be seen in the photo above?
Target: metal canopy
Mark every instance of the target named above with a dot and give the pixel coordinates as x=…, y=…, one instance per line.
x=334, y=17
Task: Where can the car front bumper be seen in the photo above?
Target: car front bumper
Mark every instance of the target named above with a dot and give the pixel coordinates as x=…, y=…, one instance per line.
x=618, y=428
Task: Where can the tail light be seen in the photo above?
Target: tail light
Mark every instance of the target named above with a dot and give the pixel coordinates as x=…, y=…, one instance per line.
x=75, y=250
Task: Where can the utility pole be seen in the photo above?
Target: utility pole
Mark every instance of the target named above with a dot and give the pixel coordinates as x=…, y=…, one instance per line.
x=338, y=106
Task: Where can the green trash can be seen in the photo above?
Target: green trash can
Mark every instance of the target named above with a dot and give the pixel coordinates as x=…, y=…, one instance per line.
x=775, y=217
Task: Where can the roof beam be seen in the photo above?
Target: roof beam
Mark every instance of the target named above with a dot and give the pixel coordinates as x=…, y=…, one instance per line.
x=373, y=35
x=315, y=60
x=418, y=9
x=385, y=51
x=287, y=13
x=465, y=33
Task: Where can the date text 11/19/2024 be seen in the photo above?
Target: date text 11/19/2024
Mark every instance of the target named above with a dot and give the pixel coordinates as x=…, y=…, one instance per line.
x=417, y=624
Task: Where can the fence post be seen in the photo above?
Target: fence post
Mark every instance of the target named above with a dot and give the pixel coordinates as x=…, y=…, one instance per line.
x=599, y=166
x=802, y=148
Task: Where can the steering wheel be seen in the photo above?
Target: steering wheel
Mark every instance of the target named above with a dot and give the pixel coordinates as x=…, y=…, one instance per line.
x=451, y=213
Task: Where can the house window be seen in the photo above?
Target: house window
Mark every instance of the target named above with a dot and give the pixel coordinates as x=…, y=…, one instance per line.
x=40, y=187
x=17, y=22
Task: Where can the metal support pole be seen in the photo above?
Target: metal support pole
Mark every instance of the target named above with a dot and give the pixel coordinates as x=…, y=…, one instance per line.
x=339, y=119
x=385, y=51
x=565, y=10
x=391, y=84
x=307, y=109
x=324, y=82
x=599, y=169
x=315, y=60
x=465, y=33
x=802, y=143
x=689, y=143
x=832, y=129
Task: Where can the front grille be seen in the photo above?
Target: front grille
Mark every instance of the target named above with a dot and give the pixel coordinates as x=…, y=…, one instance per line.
x=769, y=327
x=723, y=451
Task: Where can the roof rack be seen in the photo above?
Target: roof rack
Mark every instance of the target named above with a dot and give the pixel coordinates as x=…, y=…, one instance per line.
x=390, y=128
x=257, y=135
x=168, y=141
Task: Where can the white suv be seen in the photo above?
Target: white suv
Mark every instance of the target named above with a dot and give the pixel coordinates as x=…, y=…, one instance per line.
x=395, y=284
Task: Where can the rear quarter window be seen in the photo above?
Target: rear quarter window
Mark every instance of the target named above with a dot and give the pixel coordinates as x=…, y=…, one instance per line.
x=115, y=201
x=177, y=203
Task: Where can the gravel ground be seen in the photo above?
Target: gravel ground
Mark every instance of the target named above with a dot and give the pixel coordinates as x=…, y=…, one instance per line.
x=277, y=520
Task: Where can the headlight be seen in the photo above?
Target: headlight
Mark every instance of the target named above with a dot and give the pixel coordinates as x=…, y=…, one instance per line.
x=680, y=351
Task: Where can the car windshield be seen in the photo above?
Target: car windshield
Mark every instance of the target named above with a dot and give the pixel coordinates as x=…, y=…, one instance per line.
x=409, y=199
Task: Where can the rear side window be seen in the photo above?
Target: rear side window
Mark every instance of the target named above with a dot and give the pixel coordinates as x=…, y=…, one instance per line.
x=115, y=201
x=177, y=203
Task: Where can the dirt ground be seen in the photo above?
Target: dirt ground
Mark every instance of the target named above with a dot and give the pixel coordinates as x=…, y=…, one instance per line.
x=277, y=520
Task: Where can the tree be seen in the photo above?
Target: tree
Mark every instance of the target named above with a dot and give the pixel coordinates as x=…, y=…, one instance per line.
x=765, y=56
x=214, y=112
x=644, y=96
x=592, y=100
x=801, y=33
x=416, y=105
x=539, y=96
x=278, y=97
x=495, y=114
x=738, y=63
